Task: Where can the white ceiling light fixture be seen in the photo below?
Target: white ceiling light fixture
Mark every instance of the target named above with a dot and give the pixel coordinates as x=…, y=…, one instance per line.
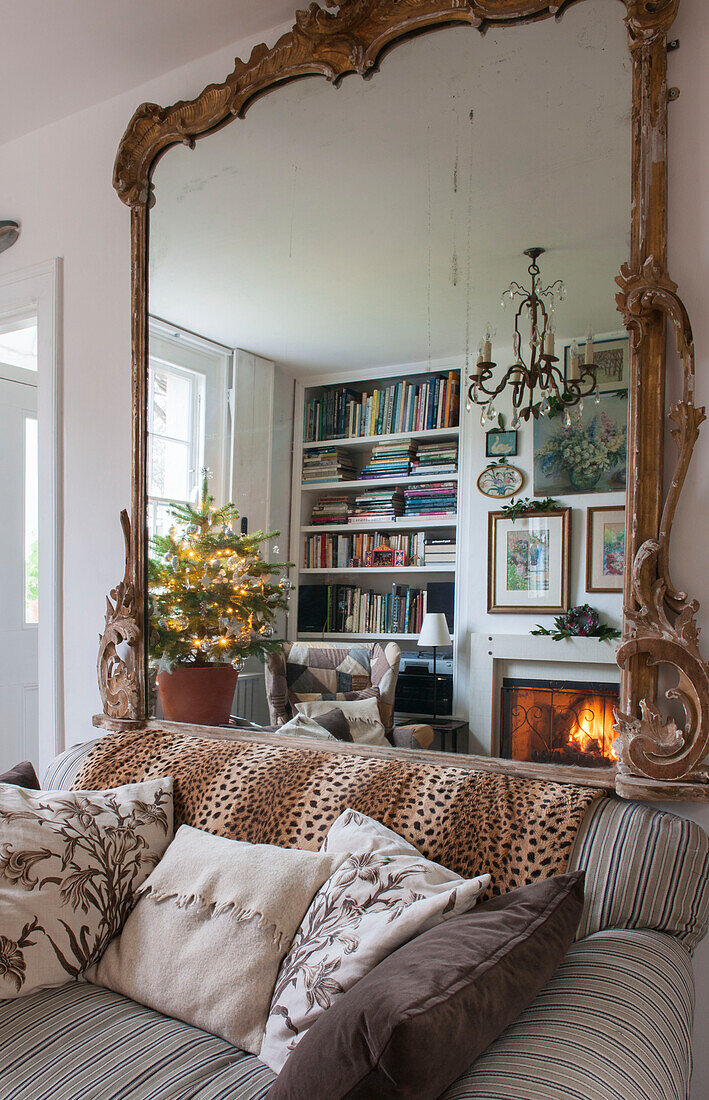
x=9, y=232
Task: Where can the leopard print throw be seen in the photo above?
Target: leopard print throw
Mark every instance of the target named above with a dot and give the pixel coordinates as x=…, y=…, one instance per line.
x=518, y=830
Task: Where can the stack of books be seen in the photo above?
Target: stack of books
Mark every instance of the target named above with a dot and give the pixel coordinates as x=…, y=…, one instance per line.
x=439, y=550
x=390, y=459
x=327, y=464
x=378, y=504
x=434, y=498
x=436, y=458
x=334, y=509
x=344, y=413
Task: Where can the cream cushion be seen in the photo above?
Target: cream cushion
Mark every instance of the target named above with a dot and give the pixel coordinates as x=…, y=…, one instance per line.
x=212, y=924
x=304, y=726
x=362, y=716
x=71, y=863
x=384, y=893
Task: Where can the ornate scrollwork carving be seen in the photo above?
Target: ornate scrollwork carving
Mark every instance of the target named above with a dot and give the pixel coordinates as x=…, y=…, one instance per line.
x=116, y=673
x=649, y=19
x=662, y=619
x=325, y=42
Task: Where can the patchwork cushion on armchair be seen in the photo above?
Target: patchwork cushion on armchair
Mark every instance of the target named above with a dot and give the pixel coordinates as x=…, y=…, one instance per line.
x=318, y=668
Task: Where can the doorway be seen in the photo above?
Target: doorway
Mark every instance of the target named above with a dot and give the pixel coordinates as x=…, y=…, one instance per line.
x=19, y=546
x=31, y=668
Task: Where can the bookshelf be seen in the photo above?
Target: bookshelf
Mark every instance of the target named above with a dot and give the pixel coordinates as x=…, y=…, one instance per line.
x=412, y=504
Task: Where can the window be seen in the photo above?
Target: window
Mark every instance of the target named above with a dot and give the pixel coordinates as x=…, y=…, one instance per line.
x=175, y=440
x=18, y=343
x=31, y=523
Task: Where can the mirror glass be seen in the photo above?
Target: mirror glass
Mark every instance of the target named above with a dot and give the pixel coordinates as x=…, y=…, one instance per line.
x=325, y=275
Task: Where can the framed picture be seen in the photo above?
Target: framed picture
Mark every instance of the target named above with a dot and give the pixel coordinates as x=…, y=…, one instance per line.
x=528, y=562
x=500, y=480
x=611, y=359
x=500, y=444
x=587, y=455
x=605, y=549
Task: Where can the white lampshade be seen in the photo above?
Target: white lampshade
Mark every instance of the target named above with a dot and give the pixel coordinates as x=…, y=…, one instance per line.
x=434, y=630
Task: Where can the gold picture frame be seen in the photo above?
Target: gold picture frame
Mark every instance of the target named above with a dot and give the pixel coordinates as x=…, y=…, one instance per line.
x=529, y=555
x=605, y=548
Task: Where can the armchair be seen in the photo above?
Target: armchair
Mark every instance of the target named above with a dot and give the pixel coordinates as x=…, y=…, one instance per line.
x=321, y=667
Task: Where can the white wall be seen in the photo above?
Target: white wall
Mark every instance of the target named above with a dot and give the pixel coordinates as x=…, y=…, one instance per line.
x=58, y=182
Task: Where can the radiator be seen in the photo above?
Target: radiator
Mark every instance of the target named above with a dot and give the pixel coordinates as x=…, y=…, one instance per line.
x=250, y=698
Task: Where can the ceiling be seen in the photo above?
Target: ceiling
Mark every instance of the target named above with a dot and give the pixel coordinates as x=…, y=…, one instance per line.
x=376, y=224
x=62, y=56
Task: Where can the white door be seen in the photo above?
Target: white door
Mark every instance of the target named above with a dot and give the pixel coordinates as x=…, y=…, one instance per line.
x=19, y=734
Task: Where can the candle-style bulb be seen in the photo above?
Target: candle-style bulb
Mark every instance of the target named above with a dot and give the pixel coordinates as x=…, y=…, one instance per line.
x=487, y=344
x=589, y=349
x=574, y=365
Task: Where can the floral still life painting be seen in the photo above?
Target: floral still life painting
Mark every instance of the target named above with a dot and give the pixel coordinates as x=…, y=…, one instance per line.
x=587, y=453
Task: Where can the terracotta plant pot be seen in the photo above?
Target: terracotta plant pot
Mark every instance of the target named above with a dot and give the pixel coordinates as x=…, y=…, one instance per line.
x=202, y=696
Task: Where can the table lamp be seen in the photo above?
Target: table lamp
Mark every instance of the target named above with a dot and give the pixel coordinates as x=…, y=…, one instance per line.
x=434, y=633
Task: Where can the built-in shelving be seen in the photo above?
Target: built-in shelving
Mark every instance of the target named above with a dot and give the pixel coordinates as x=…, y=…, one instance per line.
x=382, y=581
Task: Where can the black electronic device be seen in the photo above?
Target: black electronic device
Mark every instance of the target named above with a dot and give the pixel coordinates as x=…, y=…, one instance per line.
x=415, y=693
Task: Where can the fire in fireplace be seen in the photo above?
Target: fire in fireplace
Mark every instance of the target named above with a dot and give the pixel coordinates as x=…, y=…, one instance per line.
x=558, y=722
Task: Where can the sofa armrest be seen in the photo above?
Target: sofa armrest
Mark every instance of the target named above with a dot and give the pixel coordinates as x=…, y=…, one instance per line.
x=415, y=736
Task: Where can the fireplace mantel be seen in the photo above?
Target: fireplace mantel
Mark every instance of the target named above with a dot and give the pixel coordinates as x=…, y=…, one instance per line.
x=494, y=656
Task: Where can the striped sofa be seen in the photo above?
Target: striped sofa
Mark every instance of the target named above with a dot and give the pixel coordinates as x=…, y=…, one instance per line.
x=613, y=1024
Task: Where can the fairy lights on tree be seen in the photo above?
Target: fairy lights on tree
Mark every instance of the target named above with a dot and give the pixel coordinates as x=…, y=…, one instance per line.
x=213, y=598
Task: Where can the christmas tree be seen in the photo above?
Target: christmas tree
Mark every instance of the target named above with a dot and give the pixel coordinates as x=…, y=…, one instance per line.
x=212, y=597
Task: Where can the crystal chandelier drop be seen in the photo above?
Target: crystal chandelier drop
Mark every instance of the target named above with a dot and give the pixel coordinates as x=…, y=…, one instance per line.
x=540, y=387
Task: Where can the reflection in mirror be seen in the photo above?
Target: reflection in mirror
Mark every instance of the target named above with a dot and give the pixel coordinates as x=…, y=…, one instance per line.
x=325, y=284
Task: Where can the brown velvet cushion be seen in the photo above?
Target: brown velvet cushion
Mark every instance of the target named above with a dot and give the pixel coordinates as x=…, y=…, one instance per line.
x=22, y=775
x=335, y=723
x=410, y=1027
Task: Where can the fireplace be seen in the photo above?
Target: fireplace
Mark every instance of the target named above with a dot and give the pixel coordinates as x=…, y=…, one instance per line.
x=558, y=722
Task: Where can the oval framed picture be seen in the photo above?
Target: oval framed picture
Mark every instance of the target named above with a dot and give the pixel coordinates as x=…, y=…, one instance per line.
x=500, y=480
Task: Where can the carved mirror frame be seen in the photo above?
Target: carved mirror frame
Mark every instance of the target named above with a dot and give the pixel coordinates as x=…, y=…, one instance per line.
x=658, y=759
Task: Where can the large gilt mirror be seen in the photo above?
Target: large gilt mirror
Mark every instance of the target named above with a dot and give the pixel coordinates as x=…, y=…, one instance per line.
x=395, y=403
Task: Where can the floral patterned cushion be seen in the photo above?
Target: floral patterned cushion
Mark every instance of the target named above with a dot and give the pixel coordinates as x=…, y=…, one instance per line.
x=70, y=863
x=384, y=893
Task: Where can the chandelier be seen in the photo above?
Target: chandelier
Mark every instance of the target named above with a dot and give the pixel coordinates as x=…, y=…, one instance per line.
x=540, y=387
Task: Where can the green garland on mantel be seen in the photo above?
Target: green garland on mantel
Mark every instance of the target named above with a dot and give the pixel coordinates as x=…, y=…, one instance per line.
x=579, y=622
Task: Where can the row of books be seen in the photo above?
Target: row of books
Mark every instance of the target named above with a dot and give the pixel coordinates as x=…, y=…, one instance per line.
x=348, y=609
x=436, y=458
x=342, y=412
x=340, y=551
x=328, y=464
x=438, y=550
x=434, y=498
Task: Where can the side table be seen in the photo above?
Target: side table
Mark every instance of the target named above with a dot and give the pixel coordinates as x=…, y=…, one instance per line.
x=446, y=727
